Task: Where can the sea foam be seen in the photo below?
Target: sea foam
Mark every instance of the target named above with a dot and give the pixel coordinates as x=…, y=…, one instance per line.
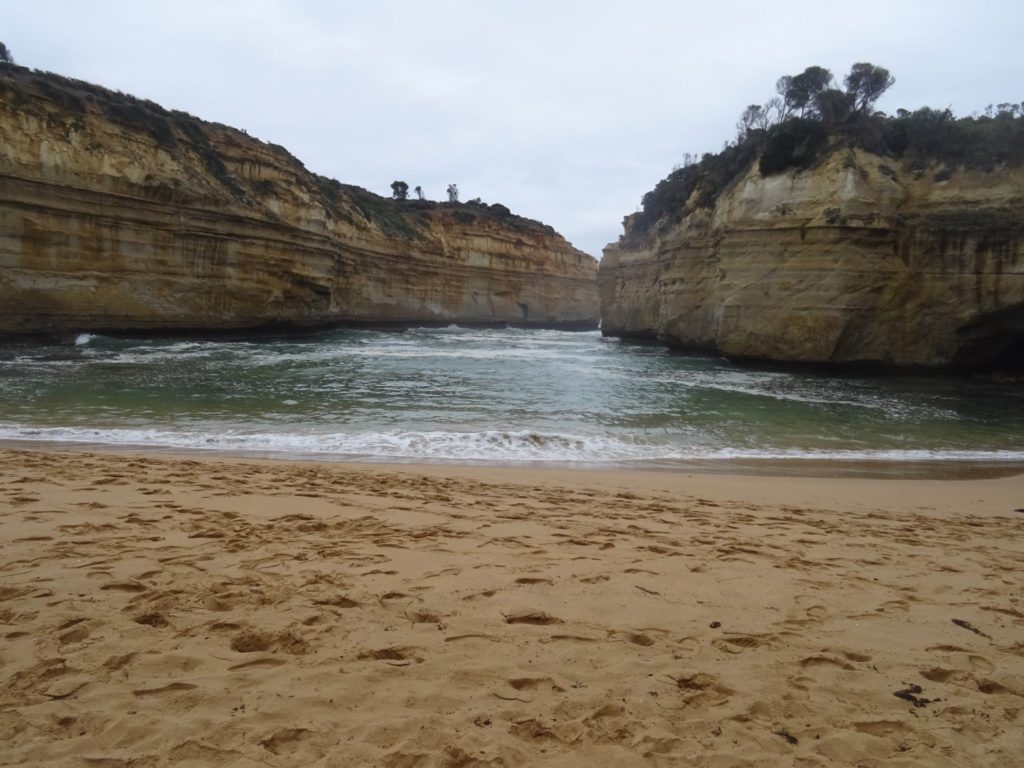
x=485, y=446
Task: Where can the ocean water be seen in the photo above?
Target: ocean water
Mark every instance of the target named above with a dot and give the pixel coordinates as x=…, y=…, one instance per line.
x=502, y=395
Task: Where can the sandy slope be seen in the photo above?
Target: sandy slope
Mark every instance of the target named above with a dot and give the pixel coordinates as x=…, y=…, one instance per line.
x=159, y=611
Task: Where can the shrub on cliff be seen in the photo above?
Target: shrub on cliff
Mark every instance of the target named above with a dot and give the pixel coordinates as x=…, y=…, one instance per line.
x=796, y=143
x=981, y=142
x=5, y=55
x=703, y=181
x=809, y=117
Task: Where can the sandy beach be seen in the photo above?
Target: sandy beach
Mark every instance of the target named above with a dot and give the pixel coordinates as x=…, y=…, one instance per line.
x=161, y=610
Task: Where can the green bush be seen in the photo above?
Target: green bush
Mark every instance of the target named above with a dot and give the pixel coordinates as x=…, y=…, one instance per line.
x=830, y=118
x=795, y=143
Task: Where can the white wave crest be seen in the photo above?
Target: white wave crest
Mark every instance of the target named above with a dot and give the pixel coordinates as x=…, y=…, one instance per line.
x=485, y=446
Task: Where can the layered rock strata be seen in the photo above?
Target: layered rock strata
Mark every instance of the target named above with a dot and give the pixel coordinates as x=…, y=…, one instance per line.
x=116, y=214
x=857, y=260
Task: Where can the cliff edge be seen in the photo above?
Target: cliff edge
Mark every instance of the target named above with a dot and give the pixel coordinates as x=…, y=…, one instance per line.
x=858, y=258
x=117, y=214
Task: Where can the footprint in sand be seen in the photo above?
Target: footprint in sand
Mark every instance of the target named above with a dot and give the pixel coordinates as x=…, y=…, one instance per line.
x=881, y=728
x=286, y=741
x=856, y=656
x=539, y=618
x=478, y=595
x=822, y=660
x=739, y=643
x=423, y=617
x=639, y=638
x=253, y=641
x=219, y=603
x=73, y=631
x=153, y=619
x=939, y=674
x=533, y=683
x=65, y=687
x=893, y=606
x=124, y=586
x=340, y=601
x=816, y=612
x=962, y=659
x=396, y=656
x=522, y=685
x=394, y=596
x=702, y=689
x=169, y=688
x=268, y=661
x=643, y=637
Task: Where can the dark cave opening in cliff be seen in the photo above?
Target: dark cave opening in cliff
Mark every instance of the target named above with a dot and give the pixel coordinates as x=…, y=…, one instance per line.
x=1011, y=359
x=994, y=343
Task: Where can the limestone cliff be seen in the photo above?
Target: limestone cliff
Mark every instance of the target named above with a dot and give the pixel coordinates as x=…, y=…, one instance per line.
x=856, y=260
x=117, y=214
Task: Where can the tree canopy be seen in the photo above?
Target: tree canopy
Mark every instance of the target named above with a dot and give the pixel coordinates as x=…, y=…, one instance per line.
x=800, y=92
x=812, y=113
x=5, y=55
x=813, y=94
x=399, y=190
x=866, y=83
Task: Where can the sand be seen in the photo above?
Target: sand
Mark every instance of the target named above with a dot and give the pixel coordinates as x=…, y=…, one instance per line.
x=210, y=612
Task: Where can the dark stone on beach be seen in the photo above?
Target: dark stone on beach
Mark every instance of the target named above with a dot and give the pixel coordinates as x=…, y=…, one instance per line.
x=910, y=694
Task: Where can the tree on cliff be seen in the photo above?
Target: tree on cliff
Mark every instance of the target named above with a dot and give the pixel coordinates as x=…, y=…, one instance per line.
x=812, y=115
x=5, y=55
x=800, y=92
x=753, y=118
x=419, y=192
x=866, y=83
x=399, y=190
x=453, y=193
x=833, y=106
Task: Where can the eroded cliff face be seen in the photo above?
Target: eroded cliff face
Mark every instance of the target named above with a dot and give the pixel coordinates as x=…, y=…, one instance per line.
x=116, y=214
x=858, y=260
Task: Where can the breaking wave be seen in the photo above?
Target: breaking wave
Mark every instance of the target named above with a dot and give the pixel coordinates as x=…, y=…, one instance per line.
x=486, y=446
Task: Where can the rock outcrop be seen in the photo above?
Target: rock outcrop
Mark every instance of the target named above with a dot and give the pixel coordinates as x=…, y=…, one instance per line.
x=856, y=260
x=116, y=214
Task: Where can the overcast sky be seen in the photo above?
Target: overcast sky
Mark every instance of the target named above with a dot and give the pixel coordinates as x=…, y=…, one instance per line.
x=566, y=111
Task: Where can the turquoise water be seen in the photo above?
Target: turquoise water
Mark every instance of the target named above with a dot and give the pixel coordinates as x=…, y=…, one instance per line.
x=505, y=395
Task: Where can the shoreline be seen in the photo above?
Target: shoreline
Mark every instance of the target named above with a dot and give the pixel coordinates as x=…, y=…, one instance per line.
x=795, y=467
x=215, y=611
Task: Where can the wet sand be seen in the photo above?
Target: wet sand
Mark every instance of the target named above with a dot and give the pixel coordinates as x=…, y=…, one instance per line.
x=161, y=610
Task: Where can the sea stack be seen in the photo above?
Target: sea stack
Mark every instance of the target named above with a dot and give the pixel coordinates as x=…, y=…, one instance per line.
x=119, y=215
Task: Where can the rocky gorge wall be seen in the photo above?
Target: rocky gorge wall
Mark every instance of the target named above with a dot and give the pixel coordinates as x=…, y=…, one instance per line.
x=116, y=214
x=852, y=261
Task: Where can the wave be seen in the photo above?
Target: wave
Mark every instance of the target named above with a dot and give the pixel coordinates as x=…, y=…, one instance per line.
x=504, y=446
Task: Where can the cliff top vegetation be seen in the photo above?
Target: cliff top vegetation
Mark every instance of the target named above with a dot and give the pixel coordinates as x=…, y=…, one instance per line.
x=811, y=115
x=182, y=134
